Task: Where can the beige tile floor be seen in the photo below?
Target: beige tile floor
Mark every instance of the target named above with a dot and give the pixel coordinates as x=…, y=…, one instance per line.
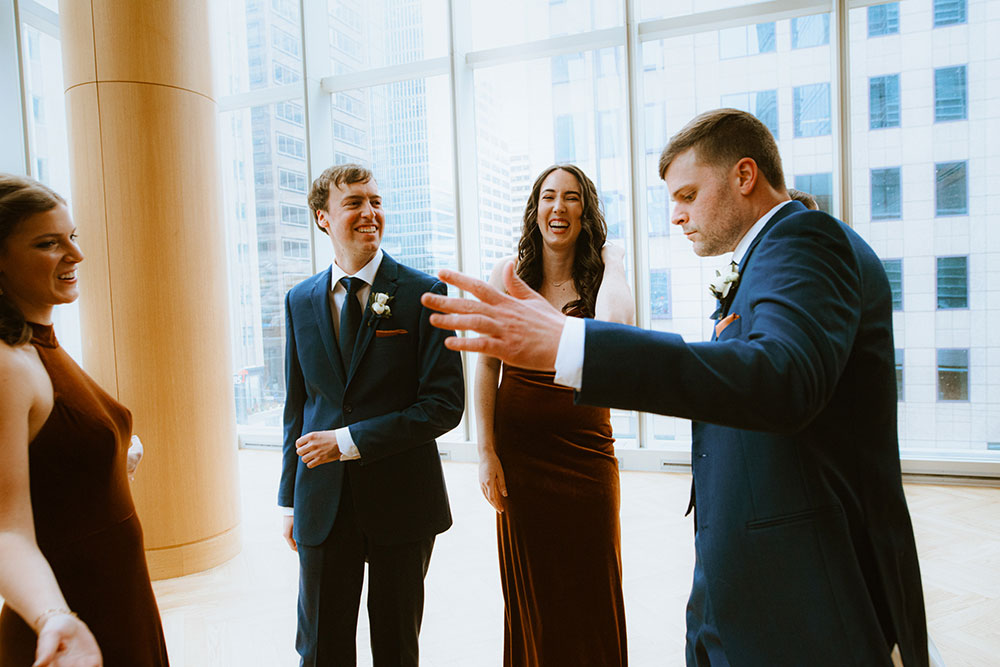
x=243, y=612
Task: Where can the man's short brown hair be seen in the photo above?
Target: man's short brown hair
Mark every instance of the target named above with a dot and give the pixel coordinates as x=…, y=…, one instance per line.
x=804, y=197
x=723, y=137
x=335, y=176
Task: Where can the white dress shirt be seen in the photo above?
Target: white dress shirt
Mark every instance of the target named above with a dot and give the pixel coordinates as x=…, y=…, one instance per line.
x=569, y=357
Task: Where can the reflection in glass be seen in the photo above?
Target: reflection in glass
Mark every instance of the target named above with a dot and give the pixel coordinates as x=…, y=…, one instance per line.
x=883, y=19
x=883, y=101
x=950, y=94
x=952, y=188
x=812, y=110
x=887, y=198
x=953, y=374
x=952, y=282
x=894, y=272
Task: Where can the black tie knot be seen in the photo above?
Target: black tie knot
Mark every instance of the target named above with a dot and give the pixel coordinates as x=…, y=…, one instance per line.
x=352, y=285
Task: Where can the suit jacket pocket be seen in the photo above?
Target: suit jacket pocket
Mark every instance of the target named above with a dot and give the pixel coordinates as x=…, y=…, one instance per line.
x=385, y=333
x=794, y=517
x=730, y=327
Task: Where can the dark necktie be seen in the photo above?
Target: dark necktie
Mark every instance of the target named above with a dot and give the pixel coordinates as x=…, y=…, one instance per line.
x=350, y=319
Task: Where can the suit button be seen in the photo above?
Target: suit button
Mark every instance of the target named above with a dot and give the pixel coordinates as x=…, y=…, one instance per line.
x=348, y=408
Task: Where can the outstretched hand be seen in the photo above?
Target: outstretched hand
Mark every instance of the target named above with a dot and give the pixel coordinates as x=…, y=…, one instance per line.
x=520, y=328
x=65, y=641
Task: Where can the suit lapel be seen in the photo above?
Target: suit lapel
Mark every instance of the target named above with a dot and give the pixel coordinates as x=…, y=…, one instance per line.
x=385, y=281
x=320, y=297
x=782, y=213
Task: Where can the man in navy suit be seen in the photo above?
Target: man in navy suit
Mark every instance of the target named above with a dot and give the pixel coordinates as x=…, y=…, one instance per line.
x=369, y=387
x=804, y=547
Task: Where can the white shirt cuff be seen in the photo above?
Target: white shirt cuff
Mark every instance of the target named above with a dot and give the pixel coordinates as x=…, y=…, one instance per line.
x=287, y=511
x=348, y=450
x=569, y=357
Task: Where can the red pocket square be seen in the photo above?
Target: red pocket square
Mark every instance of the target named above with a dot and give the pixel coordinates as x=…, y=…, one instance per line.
x=383, y=333
x=725, y=322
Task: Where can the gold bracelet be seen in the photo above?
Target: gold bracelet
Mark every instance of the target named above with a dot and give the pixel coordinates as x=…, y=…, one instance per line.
x=49, y=613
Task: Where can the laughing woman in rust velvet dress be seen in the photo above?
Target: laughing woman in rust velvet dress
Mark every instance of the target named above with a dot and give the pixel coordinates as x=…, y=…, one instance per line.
x=70, y=542
x=548, y=466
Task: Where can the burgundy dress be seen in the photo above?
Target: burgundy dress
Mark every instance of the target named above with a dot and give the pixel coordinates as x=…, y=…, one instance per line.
x=85, y=521
x=559, y=536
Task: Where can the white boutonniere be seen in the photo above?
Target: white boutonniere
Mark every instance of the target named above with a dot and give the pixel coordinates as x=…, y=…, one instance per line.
x=379, y=303
x=723, y=282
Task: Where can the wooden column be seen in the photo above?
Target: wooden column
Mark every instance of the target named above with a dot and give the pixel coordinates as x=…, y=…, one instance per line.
x=154, y=304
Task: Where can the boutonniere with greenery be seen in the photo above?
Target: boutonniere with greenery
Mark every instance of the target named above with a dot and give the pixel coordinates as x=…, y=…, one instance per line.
x=379, y=303
x=724, y=282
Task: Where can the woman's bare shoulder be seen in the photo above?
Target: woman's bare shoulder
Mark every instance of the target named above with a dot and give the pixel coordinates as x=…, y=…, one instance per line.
x=23, y=379
x=496, y=276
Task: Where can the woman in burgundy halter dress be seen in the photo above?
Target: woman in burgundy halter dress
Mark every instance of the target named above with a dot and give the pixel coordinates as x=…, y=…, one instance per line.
x=548, y=466
x=72, y=479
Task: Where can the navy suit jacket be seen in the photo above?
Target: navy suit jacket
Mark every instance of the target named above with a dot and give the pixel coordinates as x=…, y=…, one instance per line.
x=404, y=390
x=801, y=524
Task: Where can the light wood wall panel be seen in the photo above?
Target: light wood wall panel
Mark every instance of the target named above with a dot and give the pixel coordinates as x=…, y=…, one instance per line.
x=154, y=307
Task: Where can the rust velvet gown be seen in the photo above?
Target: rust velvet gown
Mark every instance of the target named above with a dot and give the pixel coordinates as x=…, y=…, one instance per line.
x=85, y=522
x=559, y=535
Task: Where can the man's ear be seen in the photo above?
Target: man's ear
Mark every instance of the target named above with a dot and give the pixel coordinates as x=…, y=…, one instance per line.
x=323, y=220
x=746, y=173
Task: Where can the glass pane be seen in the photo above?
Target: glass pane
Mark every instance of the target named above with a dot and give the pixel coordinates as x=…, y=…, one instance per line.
x=950, y=102
x=810, y=31
x=894, y=272
x=949, y=12
x=267, y=228
x=532, y=114
x=496, y=24
x=261, y=44
x=48, y=147
x=952, y=282
x=883, y=101
x=380, y=33
x=883, y=19
x=953, y=375
x=402, y=131
x=685, y=76
x=938, y=231
x=952, y=187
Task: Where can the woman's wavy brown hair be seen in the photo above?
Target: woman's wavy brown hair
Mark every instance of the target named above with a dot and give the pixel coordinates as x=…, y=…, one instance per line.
x=20, y=198
x=588, y=265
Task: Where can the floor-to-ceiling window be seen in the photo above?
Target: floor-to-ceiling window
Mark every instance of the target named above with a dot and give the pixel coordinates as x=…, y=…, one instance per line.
x=886, y=112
